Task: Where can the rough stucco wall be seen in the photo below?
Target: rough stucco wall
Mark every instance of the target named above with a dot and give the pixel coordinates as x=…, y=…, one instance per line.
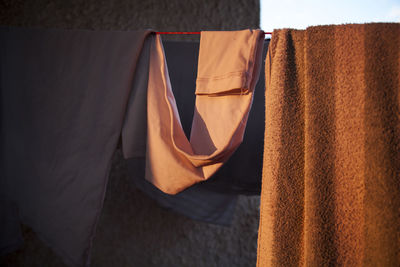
x=133, y=230
x=161, y=15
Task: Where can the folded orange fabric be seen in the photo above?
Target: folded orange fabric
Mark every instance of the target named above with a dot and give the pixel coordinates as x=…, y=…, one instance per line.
x=331, y=175
x=229, y=65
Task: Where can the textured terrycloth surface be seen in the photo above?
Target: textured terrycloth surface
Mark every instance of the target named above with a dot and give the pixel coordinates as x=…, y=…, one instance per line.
x=229, y=64
x=331, y=185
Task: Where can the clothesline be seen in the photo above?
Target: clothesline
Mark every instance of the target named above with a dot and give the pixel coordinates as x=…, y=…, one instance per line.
x=191, y=32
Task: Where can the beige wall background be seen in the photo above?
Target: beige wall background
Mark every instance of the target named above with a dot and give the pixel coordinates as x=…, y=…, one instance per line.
x=133, y=230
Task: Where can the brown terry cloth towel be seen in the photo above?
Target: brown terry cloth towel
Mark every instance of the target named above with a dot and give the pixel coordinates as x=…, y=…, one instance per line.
x=331, y=185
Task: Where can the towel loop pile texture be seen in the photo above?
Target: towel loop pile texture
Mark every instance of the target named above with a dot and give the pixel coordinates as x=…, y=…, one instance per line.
x=331, y=173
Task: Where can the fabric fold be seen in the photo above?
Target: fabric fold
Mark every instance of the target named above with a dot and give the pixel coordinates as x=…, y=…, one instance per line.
x=63, y=100
x=175, y=163
x=331, y=185
x=225, y=67
x=197, y=202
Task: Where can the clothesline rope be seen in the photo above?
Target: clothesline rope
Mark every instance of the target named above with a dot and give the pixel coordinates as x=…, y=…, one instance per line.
x=191, y=32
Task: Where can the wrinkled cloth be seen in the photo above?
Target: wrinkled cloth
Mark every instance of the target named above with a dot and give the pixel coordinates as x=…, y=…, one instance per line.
x=197, y=202
x=229, y=64
x=63, y=99
x=331, y=175
x=212, y=201
x=242, y=173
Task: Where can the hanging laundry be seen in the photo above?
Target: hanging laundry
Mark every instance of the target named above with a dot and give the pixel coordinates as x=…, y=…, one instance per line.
x=65, y=97
x=242, y=173
x=331, y=188
x=229, y=64
x=63, y=100
x=197, y=202
x=214, y=200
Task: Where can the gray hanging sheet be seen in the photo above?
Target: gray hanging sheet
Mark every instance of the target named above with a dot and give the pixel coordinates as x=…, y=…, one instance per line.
x=63, y=99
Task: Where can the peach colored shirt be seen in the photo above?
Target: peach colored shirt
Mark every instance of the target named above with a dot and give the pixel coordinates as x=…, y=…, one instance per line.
x=228, y=70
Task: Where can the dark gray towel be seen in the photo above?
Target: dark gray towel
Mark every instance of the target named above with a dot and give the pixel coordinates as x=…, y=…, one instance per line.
x=214, y=200
x=63, y=99
x=196, y=202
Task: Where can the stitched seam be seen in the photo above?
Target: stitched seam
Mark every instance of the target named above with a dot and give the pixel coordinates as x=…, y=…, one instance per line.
x=220, y=77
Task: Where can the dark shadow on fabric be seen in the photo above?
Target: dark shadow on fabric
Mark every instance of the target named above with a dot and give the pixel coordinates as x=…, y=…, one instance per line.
x=291, y=189
x=320, y=146
x=382, y=140
x=241, y=174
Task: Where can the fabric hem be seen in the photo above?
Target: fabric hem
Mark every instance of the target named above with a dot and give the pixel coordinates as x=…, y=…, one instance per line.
x=222, y=86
